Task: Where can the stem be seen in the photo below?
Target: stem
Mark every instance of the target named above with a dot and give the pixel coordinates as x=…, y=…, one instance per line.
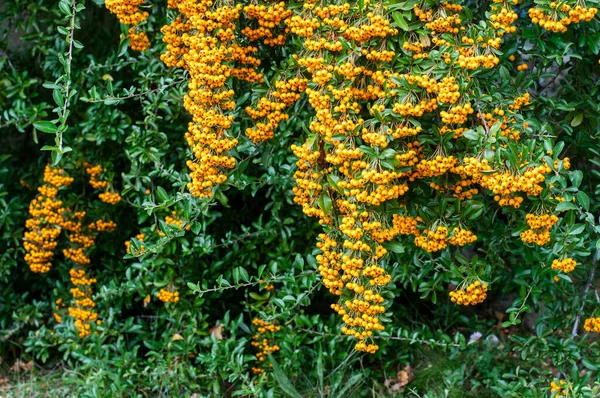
x=68, y=72
x=426, y=342
x=487, y=130
x=585, y=293
x=161, y=89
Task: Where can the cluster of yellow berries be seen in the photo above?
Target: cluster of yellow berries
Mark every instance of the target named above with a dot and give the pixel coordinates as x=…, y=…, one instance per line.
x=558, y=388
x=522, y=67
x=94, y=172
x=49, y=218
x=46, y=222
x=167, y=296
x=592, y=325
x=268, y=18
x=539, y=228
x=111, y=198
x=565, y=265
x=172, y=220
x=128, y=13
x=138, y=41
x=263, y=341
x=139, y=237
x=202, y=40
x=563, y=15
x=474, y=294
x=83, y=310
x=271, y=111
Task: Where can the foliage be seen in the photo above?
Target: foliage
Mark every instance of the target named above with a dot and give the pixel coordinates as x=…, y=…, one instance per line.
x=204, y=257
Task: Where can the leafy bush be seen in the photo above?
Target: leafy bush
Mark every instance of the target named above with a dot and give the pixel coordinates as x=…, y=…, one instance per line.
x=186, y=187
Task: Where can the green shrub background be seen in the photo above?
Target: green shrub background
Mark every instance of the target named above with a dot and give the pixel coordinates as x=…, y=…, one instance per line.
x=127, y=115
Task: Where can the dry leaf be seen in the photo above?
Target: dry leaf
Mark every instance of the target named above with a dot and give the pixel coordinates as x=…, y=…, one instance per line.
x=3, y=381
x=402, y=379
x=176, y=337
x=405, y=376
x=217, y=331
x=146, y=300
x=21, y=366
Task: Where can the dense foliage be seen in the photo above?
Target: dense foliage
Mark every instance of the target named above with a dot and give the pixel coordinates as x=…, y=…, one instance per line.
x=305, y=198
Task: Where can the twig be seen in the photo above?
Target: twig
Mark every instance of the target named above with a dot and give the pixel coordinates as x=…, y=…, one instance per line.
x=485, y=126
x=585, y=293
x=174, y=83
x=426, y=342
x=68, y=70
x=237, y=286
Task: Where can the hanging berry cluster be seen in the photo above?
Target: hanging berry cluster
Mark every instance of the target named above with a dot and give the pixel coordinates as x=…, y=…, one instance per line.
x=128, y=12
x=49, y=219
x=168, y=296
x=107, y=196
x=46, y=222
x=202, y=40
x=557, y=16
x=264, y=342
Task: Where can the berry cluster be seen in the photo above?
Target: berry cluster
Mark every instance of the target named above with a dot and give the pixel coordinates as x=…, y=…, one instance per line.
x=474, y=294
x=49, y=218
x=203, y=42
x=46, y=222
x=94, y=172
x=172, y=220
x=539, y=228
x=263, y=341
x=565, y=265
x=83, y=310
x=129, y=13
x=592, y=325
x=167, y=296
x=562, y=15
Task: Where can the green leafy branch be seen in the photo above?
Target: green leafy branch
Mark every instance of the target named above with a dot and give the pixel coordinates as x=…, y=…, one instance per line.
x=62, y=92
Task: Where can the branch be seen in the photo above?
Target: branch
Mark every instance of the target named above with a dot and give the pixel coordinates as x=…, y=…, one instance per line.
x=426, y=342
x=174, y=83
x=585, y=293
x=68, y=72
x=485, y=126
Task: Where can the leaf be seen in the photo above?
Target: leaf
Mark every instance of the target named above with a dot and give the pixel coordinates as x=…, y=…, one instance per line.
x=584, y=200
x=471, y=135
x=565, y=206
x=325, y=203
x=284, y=383
x=590, y=365
x=176, y=337
x=46, y=127
x=162, y=194
x=394, y=247
x=577, y=120
x=400, y=22
x=217, y=331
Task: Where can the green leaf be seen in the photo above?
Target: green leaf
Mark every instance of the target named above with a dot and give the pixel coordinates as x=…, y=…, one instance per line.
x=400, y=22
x=193, y=287
x=161, y=194
x=284, y=383
x=471, y=135
x=565, y=206
x=590, y=365
x=325, y=203
x=584, y=200
x=46, y=127
x=577, y=120
x=395, y=247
